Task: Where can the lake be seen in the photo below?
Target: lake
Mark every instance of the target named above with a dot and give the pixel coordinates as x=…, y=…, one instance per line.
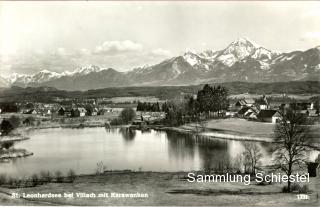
x=81, y=149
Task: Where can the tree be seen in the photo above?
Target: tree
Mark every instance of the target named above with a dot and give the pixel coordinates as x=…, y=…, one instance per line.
x=71, y=175
x=291, y=133
x=205, y=99
x=7, y=145
x=6, y=127
x=127, y=115
x=252, y=155
x=15, y=121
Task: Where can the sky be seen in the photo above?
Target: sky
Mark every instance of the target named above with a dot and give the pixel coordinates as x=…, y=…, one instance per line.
x=61, y=36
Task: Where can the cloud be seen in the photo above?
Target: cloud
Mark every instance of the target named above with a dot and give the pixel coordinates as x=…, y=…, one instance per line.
x=116, y=47
x=314, y=12
x=85, y=51
x=311, y=36
x=161, y=52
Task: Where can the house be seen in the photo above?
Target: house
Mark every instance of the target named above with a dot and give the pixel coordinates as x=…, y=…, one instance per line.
x=78, y=112
x=244, y=102
x=64, y=112
x=31, y=111
x=61, y=111
x=94, y=112
x=271, y=116
x=244, y=111
x=231, y=112
x=312, y=112
x=262, y=103
x=101, y=112
x=251, y=115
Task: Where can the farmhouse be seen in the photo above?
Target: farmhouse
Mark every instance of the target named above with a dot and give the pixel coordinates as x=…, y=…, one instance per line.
x=244, y=102
x=94, y=112
x=32, y=111
x=312, y=112
x=64, y=112
x=271, y=116
x=262, y=103
x=78, y=112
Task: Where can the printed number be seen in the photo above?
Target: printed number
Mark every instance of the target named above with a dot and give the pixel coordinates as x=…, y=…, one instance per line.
x=303, y=196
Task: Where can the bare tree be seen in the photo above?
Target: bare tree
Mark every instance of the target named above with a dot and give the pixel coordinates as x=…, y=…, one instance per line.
x=291, y=135
x=252, y=155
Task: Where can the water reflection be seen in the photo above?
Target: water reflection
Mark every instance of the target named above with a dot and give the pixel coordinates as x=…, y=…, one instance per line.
x=127, y=134
x=122, y=148
x=180, y=146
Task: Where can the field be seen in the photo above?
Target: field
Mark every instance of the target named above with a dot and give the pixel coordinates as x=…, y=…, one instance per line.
x=163, y=189
x=57, y=121
x=242, y=129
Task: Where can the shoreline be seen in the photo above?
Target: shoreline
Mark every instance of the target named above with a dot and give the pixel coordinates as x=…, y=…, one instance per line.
x=14, y=153
x=13, y=138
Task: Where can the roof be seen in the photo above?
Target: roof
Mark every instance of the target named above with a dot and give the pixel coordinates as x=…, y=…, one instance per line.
x=81, y=109
x=243, y=111
x=266, y=113
x=249, y=101
x=240, y=103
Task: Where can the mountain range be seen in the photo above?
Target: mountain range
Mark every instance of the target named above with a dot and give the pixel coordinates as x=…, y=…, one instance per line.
x=241, y=60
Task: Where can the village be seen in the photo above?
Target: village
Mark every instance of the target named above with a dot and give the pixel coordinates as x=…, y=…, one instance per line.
x=260, y=110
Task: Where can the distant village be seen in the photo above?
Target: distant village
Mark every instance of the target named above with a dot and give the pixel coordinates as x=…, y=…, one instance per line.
x=251, y=109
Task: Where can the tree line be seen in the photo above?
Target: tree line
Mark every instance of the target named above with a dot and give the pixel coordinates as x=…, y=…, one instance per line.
x=210, y=102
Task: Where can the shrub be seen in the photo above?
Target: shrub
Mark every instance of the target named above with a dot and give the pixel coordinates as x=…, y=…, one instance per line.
x=14, y=121
x=127, y=115
x=116, y=121
x=11, y=182
x=71, y=175
x=7, y=145
x=48, y=177
x=59, y=177
x=34, y=180
x=3, y=179
x=43, y=177
x=295, y=187
x=285, y=189
x=304, y=189
x=6, y=127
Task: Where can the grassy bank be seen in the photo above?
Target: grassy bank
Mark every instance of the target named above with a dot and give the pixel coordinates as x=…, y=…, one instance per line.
x=162, y=189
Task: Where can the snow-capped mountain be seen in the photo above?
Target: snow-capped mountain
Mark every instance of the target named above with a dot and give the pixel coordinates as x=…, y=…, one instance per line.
x=241, y=60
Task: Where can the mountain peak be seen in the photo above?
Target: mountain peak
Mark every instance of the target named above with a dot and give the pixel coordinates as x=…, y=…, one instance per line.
x=245, y=41
x=44, y=71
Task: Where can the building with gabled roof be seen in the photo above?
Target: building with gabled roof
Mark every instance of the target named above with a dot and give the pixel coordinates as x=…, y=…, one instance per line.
x=271, y=116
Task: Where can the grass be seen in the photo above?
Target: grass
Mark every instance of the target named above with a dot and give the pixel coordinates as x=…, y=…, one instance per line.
x=165, y=189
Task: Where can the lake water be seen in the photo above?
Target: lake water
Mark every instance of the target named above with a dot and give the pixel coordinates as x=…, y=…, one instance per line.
x=81, y=150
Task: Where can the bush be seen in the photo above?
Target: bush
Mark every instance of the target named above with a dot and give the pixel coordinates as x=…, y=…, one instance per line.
x=285, y=189
x=71, y=175
x=7, y=145
x=59, y=177
x=295, y=187
x=116, y=121
x=304, y=189
x=6, y=127
x=3, y=179
x=127, y=115
x=45, y=177
x=14, y=121
x=48, y=177
x=34, y=180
